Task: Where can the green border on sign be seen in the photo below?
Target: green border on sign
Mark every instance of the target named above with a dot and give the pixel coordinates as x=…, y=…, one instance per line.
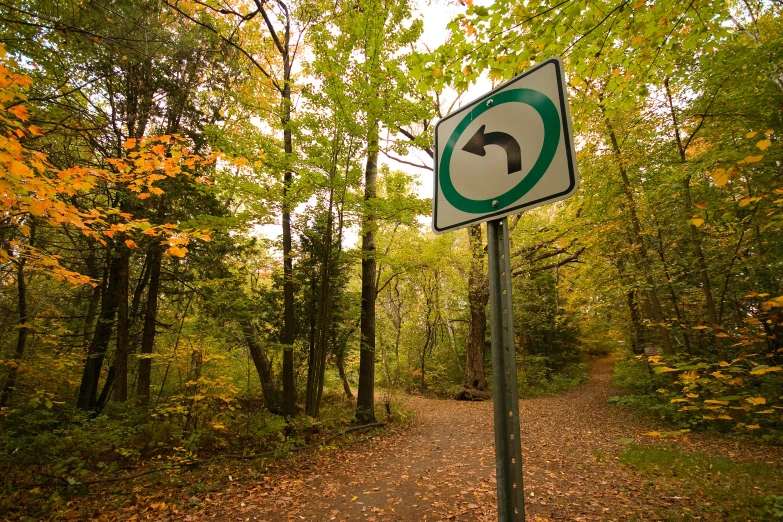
x=551, y=119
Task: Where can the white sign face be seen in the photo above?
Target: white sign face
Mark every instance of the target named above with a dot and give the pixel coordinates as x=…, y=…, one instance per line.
x=510, y=150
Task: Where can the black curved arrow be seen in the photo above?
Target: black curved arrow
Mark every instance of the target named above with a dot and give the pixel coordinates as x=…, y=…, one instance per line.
x=476, y=144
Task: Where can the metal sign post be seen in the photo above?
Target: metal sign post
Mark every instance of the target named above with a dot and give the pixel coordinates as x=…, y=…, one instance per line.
x=508, y=151
x=508, y=447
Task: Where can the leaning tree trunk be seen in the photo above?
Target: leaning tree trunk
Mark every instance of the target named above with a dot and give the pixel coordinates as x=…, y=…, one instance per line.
x=263, y=367
x=21, y=339
x=324, y=315
x=88, y=390
x=365, y=402
x=636, y=229
x=340, y=360
x=148, y=333
x=121, y=355
x=474, y=385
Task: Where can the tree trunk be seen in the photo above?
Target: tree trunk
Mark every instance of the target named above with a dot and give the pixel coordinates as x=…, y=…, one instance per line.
x=655, y=304
x=324, y=312
x=340, y=359
x=669, y=284
x=21, y=339
x=474, y=385
x=88, y=390
x=365, y=403
x=706, y=284
x=287, y=336
x=694, y=231
x=121, y=355
x=261, y=362
x=95, y=300
x=148, y=334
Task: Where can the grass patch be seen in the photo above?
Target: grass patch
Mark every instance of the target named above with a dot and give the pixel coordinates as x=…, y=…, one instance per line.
x=719, y=486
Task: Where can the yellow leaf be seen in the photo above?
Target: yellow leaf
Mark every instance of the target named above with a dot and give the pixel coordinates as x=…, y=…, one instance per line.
x=720, y=176
x=764, y=144
x=35, y=130
x=665, y=369
x=696, y=222
x=750, y=134
x=769, y=132
x=775, y=302
x=701, y=204
x=765, y=412
x=678, y=400
x=724, y=364
x=437, y=73
x=690, y=375
x=131, y=244
x=177, y=251
x=725, y=417
x=129, y=143
x=354, y=498
x=653, y=433
x=753, y=159
x=692, y=395
x=752, y=426
x=766, y=370
x=756, y=401
x=144, y=195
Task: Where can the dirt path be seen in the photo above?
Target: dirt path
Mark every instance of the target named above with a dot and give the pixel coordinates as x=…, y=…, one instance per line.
x=442, y=467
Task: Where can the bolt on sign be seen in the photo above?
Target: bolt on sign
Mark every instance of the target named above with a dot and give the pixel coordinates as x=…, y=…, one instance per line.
x=510, y=150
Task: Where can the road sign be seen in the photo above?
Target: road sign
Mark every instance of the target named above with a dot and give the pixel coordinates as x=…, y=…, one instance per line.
x=510, y=150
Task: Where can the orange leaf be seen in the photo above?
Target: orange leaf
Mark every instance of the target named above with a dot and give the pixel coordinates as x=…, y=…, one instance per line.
x=19, y=169
x=20, y=111
x=177, y=251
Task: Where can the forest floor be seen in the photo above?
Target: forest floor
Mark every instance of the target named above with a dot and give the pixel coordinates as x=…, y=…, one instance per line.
x=584, y=459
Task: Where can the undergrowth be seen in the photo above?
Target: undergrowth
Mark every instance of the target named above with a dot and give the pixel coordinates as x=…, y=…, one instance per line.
x=537, y=376
x=687, y=393
x=729, y=490
x=48, y=455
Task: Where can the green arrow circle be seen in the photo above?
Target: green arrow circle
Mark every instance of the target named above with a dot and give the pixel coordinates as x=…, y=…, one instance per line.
x=551, y=118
